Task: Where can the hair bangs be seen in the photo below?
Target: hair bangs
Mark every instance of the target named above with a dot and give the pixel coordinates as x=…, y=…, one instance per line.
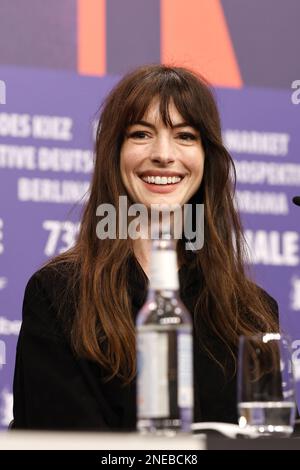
x=167, y=86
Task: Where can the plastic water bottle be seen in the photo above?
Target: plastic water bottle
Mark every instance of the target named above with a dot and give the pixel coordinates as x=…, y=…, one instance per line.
x=165, y=398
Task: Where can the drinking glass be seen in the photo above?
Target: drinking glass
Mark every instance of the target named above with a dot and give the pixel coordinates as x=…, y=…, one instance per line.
x=266, y=388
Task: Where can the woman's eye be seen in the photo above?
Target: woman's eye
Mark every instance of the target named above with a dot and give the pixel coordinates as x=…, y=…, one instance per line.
x=187, y=136
x=138, y=134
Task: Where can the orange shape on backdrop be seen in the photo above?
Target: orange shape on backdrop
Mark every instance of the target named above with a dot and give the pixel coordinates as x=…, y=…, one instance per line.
x=91, y=37
x=194, y=34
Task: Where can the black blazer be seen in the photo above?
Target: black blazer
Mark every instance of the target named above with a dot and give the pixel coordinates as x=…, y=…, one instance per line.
x=54, y=389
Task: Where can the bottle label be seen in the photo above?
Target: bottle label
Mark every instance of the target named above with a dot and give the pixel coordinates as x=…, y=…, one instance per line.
x=153, y=389
x=164, y=270
x=185, y=370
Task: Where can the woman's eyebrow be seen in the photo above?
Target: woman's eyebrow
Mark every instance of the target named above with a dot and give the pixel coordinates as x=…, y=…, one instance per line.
x=144, y=123
x=181, y=124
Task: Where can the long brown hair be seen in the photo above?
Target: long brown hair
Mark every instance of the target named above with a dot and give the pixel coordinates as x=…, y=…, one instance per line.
x=228, y=304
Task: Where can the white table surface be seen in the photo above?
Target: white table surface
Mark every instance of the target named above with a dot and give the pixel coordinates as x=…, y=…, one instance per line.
x=44, y=440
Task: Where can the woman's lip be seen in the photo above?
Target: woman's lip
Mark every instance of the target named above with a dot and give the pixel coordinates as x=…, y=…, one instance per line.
x=161, y=188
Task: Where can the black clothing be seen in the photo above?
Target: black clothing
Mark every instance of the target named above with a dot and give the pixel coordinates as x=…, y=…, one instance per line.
x=54, y=389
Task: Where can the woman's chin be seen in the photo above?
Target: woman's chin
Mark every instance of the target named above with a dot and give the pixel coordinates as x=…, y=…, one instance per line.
x=163, y=201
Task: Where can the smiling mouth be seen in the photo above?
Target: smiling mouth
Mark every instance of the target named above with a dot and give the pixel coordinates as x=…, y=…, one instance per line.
x=162, y=180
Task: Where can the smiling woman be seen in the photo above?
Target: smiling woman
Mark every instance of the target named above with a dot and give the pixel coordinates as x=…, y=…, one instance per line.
x=158, y=141
x=159, y=158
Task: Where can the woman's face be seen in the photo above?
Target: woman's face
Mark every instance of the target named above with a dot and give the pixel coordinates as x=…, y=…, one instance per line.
x=159, y=164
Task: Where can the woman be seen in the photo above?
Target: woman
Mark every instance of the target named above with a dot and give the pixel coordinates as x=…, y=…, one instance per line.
x=75, y=365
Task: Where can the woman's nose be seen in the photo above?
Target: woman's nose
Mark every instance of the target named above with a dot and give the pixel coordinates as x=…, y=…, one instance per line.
x=162, y=151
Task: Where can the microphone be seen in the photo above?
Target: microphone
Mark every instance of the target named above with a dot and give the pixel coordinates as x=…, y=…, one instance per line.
x=296, y=200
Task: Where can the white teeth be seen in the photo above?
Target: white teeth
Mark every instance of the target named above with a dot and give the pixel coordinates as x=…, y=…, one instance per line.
x=162, y=179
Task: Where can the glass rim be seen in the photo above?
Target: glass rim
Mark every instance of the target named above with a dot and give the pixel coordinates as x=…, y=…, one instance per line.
x=266, y=337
